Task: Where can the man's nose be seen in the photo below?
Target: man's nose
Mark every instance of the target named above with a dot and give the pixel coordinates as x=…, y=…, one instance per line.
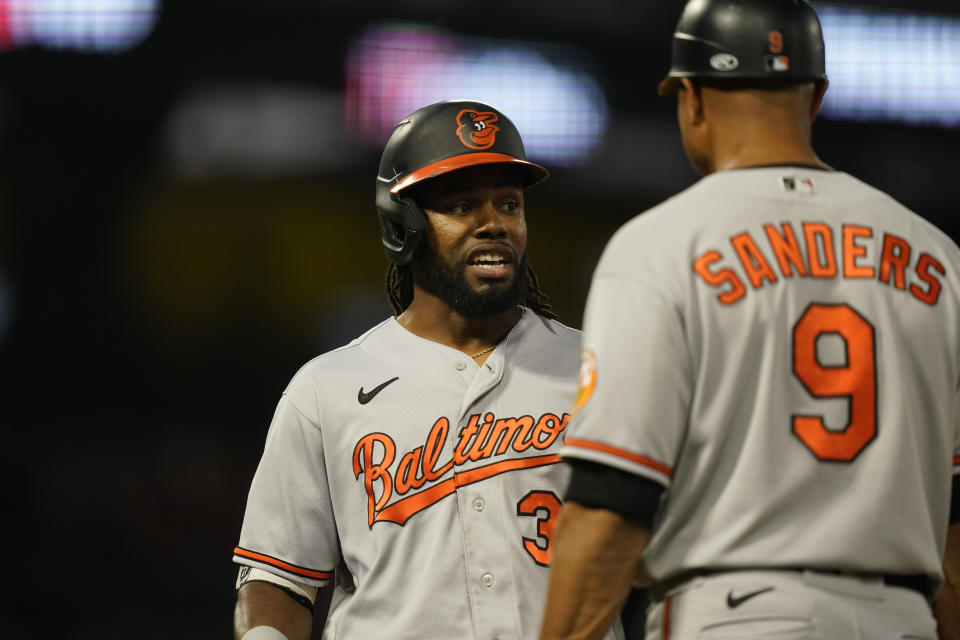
x=490, y=220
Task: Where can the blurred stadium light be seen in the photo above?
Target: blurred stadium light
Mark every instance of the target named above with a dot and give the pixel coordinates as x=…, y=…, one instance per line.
x=257, y=130
x=891, y=66
x=549, y=91
x=99, y=26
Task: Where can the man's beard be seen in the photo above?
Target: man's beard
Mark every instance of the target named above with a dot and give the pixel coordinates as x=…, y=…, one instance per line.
x=448, y=282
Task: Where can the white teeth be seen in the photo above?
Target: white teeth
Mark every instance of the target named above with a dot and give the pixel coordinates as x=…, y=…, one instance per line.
x=488, y=258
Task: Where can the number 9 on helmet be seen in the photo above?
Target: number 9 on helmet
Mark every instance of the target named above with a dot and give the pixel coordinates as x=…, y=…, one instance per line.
x=753, y=41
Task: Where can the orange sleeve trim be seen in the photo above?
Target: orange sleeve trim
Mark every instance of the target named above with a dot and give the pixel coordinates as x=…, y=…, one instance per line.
x=620, y=453
x=956, y=459
x=280, y=564
x=456, y=162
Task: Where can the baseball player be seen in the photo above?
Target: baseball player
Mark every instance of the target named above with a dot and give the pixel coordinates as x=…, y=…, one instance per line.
x=416, y=470
x=769, y=411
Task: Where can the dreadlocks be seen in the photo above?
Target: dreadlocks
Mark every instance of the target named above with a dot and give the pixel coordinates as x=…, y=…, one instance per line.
x=399, y=283
x=399, y=287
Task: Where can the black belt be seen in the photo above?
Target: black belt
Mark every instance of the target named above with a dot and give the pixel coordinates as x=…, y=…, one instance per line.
x=915, y=582
x=918, y=582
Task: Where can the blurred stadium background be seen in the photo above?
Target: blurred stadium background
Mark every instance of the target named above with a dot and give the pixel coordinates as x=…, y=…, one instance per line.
x=186, y=216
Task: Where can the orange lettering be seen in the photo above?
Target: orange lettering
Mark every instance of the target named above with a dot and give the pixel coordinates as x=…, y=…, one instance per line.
x=852, y=251
x=786, y=249
x=776, y=41
x=432, y=449
x=549, y=426
x=756, y=266
x=524, y=439
x=724, y=276
x=504, y=432
x=896, y=257
x=459, y=457
x=827, y=267
x=476, y=452
x=374, y=454
x=401, y=510
x=856, y=380
x=372, y=472
x=546, y=506
x=932, y=294
x=406, y=476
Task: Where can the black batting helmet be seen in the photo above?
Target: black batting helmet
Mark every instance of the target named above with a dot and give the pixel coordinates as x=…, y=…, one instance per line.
x=748, y=40
x=430, y=142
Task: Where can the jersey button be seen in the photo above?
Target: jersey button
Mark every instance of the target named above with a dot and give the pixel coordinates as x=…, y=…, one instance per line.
x=460, y=365
x=487, y=580
x=479, y=504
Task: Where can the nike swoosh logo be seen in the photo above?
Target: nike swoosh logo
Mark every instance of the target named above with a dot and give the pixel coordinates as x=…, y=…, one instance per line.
x=735, y=601
x=363, y=397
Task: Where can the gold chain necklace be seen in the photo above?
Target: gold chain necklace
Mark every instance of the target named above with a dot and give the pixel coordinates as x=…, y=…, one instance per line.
x=487, y=350
x=494, y=346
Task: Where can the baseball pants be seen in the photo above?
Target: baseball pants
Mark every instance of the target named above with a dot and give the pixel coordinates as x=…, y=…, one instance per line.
x=790, y=605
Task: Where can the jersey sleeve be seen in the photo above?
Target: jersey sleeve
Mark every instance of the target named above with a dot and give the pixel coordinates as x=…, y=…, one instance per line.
x=288, y=527
x=633, y=408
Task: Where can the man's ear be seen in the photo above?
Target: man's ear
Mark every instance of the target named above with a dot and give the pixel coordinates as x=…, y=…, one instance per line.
x=691, y=108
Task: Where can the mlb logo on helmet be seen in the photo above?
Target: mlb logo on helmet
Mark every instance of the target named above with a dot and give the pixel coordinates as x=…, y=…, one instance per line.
x=776, y=63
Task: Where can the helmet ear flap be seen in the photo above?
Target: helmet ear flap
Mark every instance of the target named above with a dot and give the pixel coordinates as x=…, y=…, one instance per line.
x=402, y=226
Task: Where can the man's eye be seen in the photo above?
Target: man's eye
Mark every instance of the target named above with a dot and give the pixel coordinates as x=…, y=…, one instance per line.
x=460, y=207
x=511, y=205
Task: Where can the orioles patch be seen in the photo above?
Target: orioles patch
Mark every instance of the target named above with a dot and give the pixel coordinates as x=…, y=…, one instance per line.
x=476, y=129
x=587, y=380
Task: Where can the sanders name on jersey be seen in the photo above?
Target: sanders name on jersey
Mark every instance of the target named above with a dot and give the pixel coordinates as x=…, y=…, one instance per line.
x=817, y=257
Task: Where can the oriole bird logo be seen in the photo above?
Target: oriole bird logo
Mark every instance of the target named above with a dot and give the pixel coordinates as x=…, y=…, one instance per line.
x=476, y=129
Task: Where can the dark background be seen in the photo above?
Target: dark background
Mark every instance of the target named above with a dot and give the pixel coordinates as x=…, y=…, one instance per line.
x=154, y=320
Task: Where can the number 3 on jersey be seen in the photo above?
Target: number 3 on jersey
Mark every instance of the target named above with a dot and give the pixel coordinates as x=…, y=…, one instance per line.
x=545, y=505
x=855, y=380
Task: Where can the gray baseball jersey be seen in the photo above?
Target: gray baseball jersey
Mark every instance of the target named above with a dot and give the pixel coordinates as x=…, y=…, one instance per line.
x=780, y=348
x=435, y=482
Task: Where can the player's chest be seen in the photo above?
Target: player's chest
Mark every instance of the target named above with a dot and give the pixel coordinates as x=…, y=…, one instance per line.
x=424, y=418
x=418, y=430
x=430, y=438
